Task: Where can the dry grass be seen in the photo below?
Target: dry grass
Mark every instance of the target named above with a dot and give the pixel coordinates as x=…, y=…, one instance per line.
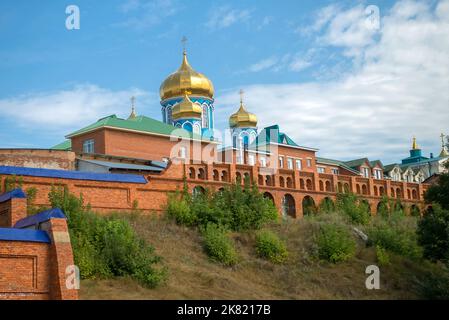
x=193, y=276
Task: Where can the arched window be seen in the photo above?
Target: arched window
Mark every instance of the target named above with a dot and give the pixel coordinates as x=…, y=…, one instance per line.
x=281, y=182
x=252, y=137
x=328, y=186
x=168, y=116
x=187, y=126
x=192, y=173
x=321, y=185
x=197, y=128
x=216, y=175
x=205, y=116
x=289, y=182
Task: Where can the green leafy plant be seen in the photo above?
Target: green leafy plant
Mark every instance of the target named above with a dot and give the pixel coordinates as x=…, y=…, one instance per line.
x=383, y=258
x=433, y=234
x=270, y=247
x=335, y=243
x=106, y=246
x=218, y=245
x=356, y=210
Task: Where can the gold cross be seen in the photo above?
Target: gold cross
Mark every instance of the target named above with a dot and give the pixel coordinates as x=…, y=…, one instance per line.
x=241, y=95
x=184, y=42
x=133, y=100
x=442, y=139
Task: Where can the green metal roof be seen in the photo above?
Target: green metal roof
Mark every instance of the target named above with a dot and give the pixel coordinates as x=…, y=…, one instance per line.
x=357, y=162
x=66, y=145
x=390, y=167
x=140, y=124
x=336, y=163
x=272, y=134
x=374, y=162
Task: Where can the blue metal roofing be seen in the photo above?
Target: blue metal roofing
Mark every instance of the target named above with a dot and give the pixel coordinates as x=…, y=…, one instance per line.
x=9, y=234
x=16, y=193
x=76, y=175
x=40, y=217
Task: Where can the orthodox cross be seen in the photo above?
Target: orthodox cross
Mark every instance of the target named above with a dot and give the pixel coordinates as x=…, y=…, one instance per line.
x=184, y=42
x=241, y=96
x=442, y=139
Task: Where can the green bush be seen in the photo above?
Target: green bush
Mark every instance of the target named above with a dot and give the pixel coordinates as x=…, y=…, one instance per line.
x=356, y=210
x=383, y=258
x=270, y=247
x=235, y=208
x=433, y=234
x=178, y=209
x=106, y=246
x=435, y=285
x=335, y=243
x=396, y=234
x=218, y=245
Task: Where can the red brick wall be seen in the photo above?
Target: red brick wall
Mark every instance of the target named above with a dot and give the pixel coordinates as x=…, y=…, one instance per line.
x=24, y=268
x=12, y=211
x=36, y=158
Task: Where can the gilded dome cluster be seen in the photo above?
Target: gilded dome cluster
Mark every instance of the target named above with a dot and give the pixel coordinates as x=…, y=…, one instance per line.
x=185, y=79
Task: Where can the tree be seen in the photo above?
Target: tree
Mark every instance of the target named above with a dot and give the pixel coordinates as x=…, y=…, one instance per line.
x=433, y=229
x=439, y=193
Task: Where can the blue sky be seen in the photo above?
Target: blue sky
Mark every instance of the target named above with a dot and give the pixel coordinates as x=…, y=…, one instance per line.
x=314, y=67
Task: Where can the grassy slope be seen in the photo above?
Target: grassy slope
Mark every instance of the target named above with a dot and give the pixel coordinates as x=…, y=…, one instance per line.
x=193, y=276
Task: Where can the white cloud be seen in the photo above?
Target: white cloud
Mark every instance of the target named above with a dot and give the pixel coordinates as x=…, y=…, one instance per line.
x=263, y=64
x=143, y=14
x=224, y=17
x=62, y=111
x=399, y=89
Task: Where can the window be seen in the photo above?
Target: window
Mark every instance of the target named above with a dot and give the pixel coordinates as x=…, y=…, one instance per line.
x=290, y=163
x=183, y=152
x=335, y=171
x=281, y=162
x=377, y=174
x=88, y=146
x=365, y=172
x=298, y=164
x=321, y=170
x=205, y=116
x=251, y=159
x=263, y=162
x=309, y=162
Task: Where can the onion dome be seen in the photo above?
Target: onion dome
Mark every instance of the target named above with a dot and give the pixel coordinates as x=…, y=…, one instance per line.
x=186, y=109
x=242, y=118
x=186, y=79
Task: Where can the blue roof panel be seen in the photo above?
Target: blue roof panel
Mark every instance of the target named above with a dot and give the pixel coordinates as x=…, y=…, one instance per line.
x=16, y=193
x=76, y=175
x=40, y=217
x=10, y=234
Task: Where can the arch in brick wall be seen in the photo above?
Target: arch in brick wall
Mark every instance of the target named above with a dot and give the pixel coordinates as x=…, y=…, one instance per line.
x=288, y=206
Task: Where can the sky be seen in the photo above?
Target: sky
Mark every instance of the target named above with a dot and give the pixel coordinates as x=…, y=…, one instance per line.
x=351, y=78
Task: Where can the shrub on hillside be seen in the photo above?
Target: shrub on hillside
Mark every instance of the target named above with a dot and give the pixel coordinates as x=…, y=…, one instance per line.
x=434, y=285
x=106, y=246
x=383, y=258
x=335, y=243
x=270, y=247
x=178, y=209
x=356, y=210
x=396, y=234
x=235, y=208
x=433, y=233
x=218, y=245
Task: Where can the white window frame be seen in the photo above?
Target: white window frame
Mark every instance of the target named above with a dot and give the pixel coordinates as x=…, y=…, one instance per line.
x=309, y=162
x=290, y=163
x=89, y=146
x=281, y=161
x=321, y=169
x=298, y=161
x=365, y=172
x=263, y=162
x=335, y=171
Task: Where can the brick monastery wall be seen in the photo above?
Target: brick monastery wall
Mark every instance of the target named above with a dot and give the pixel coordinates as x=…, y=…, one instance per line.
x=38, y=158
x=152, y=196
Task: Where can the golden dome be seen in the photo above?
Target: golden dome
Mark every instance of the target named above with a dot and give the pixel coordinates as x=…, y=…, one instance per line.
x=243, y=118
x=186, y=109
x=186, y=79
